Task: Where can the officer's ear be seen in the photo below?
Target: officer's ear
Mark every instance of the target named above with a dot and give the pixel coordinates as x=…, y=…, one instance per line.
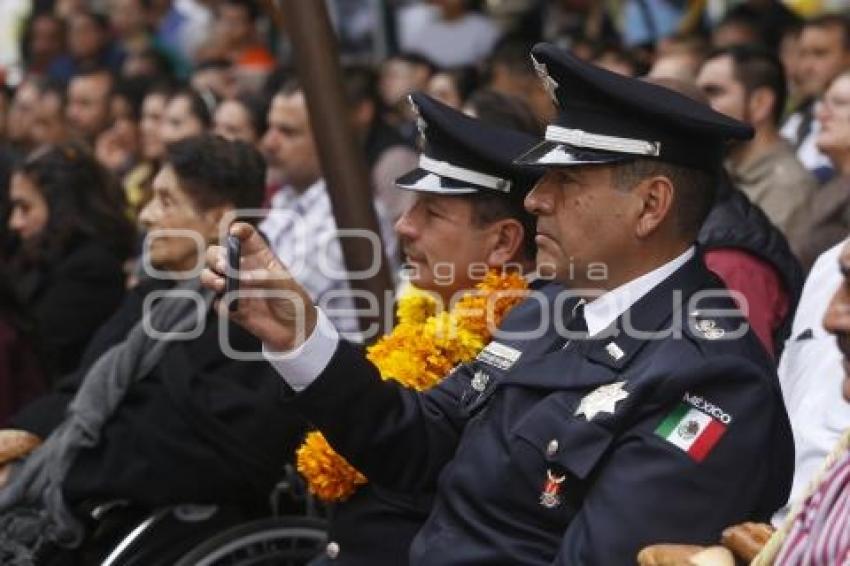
x=505, y=241
x=656, y=195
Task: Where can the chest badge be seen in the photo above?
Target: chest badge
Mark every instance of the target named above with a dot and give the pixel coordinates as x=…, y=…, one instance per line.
x=708, y=328
x=551, y=495
x=602, y=400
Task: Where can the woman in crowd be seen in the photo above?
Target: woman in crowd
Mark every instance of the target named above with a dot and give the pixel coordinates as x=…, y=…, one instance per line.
x=188, y=113
x=72, y=236
x=826, y=219
x=137, y=183
x=241, y=119
x=452, y=87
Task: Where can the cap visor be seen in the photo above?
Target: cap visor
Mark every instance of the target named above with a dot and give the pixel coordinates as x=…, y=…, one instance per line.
x=427, y=182
x=553, y=154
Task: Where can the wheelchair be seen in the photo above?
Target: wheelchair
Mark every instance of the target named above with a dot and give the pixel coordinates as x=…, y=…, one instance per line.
x=204, y=535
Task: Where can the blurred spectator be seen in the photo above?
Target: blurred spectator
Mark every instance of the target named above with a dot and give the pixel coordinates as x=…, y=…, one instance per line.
x=236, y=26
x=679, y=58
x=241, y=118
x=68, y=216
x=87, y=110
x=301, y=227
x=42, y=42
x=21, y=115
x=182, y=26
x=452, y=87
x=502, y=110
x=147, y=63
x=49, y=125
x=188, y=113
x=771, y=18
x=387, y=152
x=117, y=147
x=448, y=32
x=512, y=73
x=137, y=182
x=129, y=20
x=216, y=76
x=67, y=8
x=88, y=47
x=747, y=83
x=826, y=219
x=789, y=54
x=399, y=76
x=131, y=30
x=739, y=26
x=824, y=53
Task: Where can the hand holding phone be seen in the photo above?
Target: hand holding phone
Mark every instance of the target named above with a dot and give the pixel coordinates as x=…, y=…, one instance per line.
x=231, y=282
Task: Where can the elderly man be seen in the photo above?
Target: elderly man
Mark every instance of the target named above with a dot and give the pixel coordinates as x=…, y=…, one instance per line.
x=160, y=412
x=631, y=415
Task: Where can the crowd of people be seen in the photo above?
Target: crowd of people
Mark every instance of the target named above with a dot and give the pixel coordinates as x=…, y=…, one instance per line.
x=644, y=145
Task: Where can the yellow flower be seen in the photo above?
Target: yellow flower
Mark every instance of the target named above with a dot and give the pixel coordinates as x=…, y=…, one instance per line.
x=420, y=351
x=332, y=478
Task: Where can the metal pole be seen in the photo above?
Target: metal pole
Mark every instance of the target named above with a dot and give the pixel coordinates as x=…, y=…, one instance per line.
x=343, y=163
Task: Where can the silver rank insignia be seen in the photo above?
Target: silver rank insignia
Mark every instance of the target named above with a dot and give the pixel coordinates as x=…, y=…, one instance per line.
x=549, y=84
x=479, y=381
x=551, y=495
x=708, y=328
x=603, y=399
x=421, y=124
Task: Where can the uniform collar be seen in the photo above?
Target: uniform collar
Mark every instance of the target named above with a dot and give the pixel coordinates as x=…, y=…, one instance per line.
x=604, y=310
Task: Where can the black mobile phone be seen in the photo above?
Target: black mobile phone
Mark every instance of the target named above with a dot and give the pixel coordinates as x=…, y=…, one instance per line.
x=231, y=278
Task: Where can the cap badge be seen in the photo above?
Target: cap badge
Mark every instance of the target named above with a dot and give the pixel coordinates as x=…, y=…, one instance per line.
x=549, y=84
x=421, y=124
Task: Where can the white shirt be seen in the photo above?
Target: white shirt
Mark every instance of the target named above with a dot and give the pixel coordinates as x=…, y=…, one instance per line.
x=605, y=309
x=807, y=152
x=300, y=367
x=811, y=376
x=449, y=44
x=302, y=232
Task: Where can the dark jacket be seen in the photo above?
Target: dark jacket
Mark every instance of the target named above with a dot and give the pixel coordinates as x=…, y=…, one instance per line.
x=735, y=222
x=495, y=435
x=69, y=299
x=201, y=428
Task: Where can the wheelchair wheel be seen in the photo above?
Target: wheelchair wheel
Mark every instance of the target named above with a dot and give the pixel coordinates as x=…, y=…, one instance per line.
x=281, y=541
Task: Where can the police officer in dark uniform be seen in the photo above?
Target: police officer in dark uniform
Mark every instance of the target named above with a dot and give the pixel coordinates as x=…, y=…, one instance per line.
x=463, y=159
x=633, y=407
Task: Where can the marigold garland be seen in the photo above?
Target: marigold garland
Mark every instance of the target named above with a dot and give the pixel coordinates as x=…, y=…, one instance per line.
x=423, y=348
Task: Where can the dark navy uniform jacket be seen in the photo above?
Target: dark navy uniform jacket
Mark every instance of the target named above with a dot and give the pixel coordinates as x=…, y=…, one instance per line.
x=491, y=434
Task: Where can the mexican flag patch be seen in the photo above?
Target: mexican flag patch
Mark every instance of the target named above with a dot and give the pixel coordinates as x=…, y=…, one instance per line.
x=692, y=430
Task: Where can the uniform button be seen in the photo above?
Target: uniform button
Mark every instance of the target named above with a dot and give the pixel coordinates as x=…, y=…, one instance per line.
x=552, y=447
x=332, y=550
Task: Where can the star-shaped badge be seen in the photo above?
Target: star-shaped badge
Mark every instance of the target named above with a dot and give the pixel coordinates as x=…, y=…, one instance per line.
x=602, y=400
x=549, y=84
